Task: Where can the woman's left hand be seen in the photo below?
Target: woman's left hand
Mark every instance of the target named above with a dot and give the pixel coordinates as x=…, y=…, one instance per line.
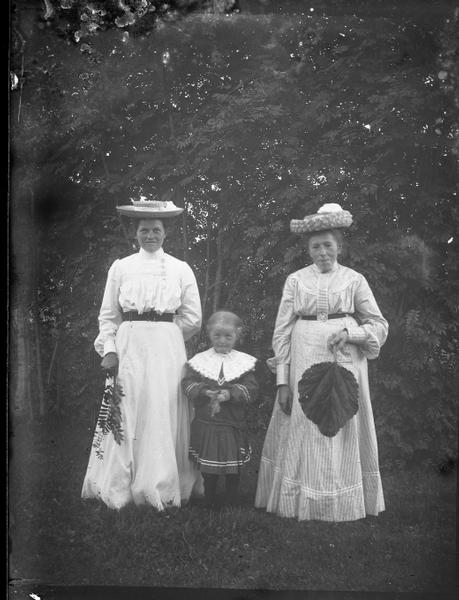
x=337, y=340
x=109, y=363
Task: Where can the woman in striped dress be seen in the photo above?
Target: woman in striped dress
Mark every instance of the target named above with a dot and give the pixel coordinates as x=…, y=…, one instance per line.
x=325, y=309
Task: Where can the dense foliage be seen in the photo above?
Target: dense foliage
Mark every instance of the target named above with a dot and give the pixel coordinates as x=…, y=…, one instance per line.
x=77, y=19
x=247, y=120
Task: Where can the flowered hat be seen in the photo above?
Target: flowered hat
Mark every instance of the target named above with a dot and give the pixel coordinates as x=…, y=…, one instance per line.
x=329, y=216
x=149, y=209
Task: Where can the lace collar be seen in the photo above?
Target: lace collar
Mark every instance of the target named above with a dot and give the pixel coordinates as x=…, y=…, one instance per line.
x=235, y=364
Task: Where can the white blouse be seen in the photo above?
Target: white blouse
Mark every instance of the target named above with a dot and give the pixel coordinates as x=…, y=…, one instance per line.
x=148, y=281
x=311, y=292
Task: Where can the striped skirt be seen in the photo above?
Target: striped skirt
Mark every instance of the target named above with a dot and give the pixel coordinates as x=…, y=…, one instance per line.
x=218, y=448
x=305, y=474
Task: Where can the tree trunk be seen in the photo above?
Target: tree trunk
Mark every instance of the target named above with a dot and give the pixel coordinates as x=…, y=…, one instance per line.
x=55, y=363
x=185, y=231
x=218, y=272
x=26, y=389
x=178, y=197
x=39, y=371
x=20, y=400
x=207, y=276
x=35, y=314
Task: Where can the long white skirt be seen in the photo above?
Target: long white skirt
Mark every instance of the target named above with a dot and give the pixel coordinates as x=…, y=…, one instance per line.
x=305, y=474
x=151, y=464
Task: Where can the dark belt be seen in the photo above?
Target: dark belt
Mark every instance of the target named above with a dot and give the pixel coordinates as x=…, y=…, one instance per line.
x=133, y=315
x=325, y=317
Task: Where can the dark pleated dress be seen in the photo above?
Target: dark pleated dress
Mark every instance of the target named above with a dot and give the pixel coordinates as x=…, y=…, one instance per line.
x=219, y=442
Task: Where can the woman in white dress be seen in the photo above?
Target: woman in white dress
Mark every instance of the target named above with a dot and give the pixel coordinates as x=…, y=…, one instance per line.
x=150, y=306
x=326, y=309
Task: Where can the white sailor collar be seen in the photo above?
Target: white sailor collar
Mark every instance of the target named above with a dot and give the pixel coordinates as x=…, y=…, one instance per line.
x=235, y=364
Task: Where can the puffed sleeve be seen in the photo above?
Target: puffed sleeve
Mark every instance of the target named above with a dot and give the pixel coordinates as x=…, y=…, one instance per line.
x=189, y=315
x=285, y=321
x=245, y=391
x=110, y=315
x=371, y=334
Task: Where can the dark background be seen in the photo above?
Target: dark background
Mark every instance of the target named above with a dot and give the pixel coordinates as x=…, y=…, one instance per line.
x=247, y=114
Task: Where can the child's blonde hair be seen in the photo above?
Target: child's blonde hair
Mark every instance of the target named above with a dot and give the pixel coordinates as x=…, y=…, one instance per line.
x=225, y=317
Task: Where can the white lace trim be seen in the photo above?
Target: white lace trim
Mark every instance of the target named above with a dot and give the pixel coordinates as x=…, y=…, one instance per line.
x=235, y=364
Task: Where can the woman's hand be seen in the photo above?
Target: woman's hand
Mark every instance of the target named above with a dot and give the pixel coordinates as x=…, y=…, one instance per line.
x=109, y=363
x=284, y=398
x=337, y=340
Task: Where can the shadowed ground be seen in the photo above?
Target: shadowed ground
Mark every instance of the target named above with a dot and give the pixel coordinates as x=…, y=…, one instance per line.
x=59, y=539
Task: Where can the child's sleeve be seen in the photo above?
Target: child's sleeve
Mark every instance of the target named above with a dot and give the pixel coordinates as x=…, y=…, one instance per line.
x=194, y=388
x=245, y=391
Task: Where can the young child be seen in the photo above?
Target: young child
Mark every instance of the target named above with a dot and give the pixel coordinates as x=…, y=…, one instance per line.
x=221, y=382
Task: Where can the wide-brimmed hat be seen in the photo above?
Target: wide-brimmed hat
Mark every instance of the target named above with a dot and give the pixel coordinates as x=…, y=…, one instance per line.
x=150, y=209
x=329, y=216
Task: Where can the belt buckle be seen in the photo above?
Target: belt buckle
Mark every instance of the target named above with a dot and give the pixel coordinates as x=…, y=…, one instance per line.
x=322, y=316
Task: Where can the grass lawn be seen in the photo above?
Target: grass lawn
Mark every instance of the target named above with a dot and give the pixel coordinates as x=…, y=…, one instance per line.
x=57, y=538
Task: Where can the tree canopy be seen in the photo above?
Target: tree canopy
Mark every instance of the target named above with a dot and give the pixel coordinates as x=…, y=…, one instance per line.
x=247, y=119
